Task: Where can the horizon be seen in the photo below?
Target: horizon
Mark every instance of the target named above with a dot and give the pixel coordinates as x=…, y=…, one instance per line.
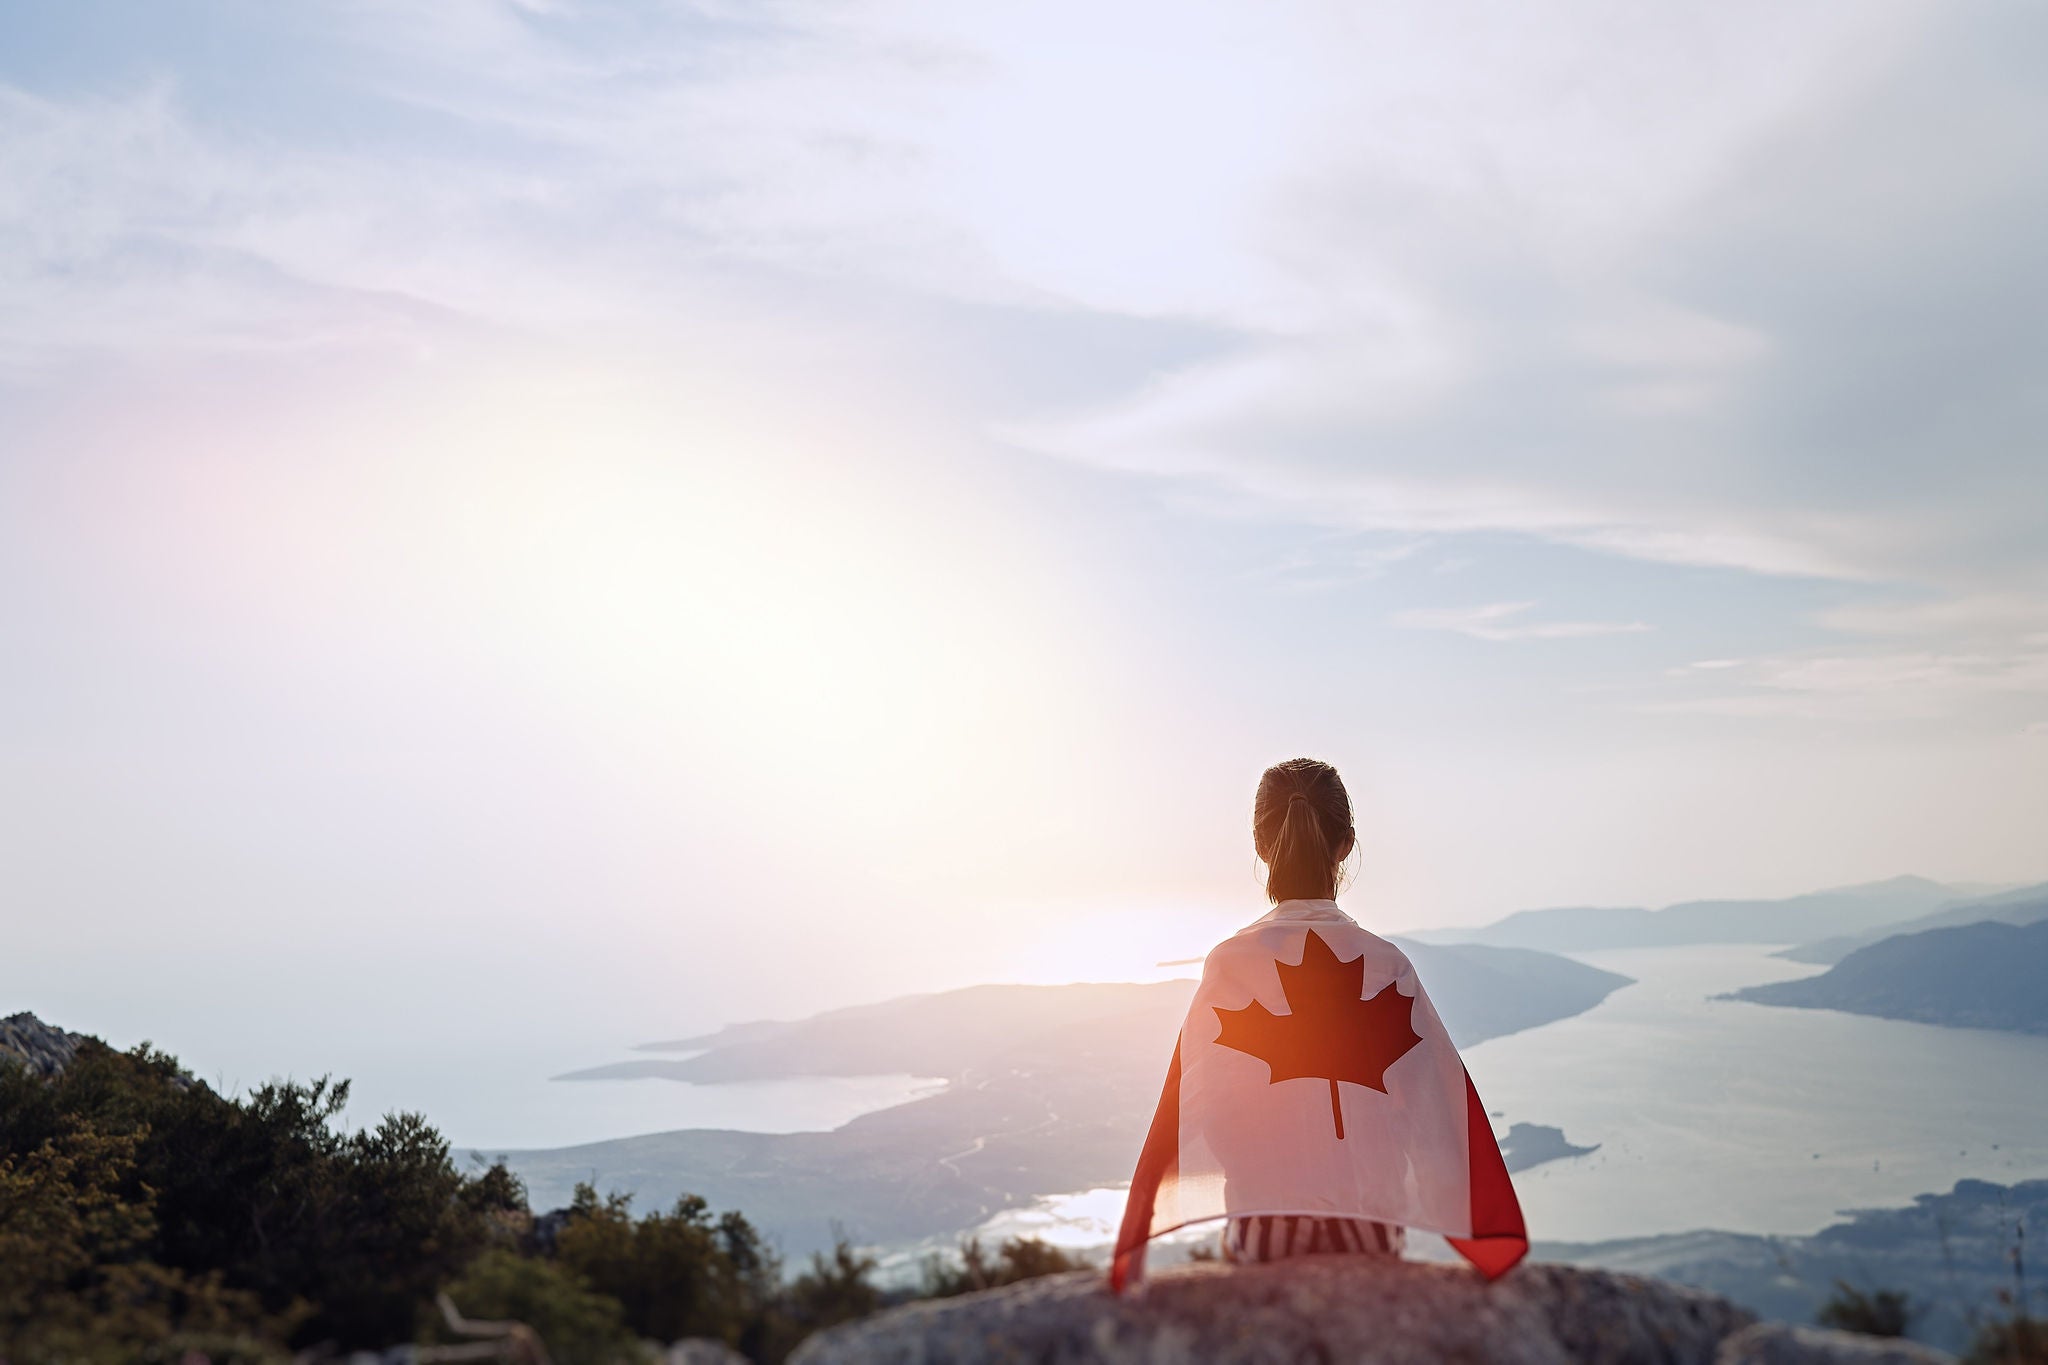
x=554, y=522
x=404, y=1081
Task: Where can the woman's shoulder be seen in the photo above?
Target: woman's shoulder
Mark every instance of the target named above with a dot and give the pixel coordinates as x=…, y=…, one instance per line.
x=1277, y=936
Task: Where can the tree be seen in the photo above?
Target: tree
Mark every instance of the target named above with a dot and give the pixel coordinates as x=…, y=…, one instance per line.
x=74, y=1280
x=676, y=1274
x=835, y=1289
x=1019, y=1258
x=325, y=1235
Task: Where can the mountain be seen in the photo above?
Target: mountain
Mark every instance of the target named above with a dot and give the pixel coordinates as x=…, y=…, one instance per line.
x=2023, y=906
x=1480, y=992
x=1983, y=975
x=1049, y=1091
x=1818, y=914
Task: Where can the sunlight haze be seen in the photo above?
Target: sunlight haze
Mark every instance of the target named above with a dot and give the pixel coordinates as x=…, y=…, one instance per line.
x=545, y=526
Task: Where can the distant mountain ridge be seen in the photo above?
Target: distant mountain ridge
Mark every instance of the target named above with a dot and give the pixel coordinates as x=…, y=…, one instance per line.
x=1983, y=975
x=1480, y=991
x=1050, y=1089
x=1818, y=914
x=2025, y=905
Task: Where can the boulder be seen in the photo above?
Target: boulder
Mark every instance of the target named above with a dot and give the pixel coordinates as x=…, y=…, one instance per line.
x=43, y=1048
x=1778, y=1343
x=1327, y=1309
x=702, y=1351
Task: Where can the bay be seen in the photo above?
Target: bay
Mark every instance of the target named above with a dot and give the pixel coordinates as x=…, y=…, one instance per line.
x=1720, y=1114
x=1754, y=1118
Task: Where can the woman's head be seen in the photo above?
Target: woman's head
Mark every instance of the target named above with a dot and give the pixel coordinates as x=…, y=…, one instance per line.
x=1301, y=827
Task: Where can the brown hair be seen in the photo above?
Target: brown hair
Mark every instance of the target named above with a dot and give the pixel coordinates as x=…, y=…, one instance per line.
x=1301, y=817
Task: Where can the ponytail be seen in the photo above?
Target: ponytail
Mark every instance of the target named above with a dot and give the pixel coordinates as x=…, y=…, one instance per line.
x=1300, y=816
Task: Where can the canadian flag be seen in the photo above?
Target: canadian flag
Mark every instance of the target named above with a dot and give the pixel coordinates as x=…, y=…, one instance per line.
x=1313, y=1077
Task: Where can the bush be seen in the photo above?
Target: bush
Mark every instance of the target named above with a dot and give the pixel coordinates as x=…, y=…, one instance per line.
x=143, y=1215
x=1880, y=1313
x=2018, y=1340
x=193, y=1210
x=579, y=1325
x=835, y=1289
x=676, y=1274
x=74, y=1284
x=1019, y=1258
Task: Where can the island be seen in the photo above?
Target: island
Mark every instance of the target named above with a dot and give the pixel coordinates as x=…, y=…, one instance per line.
x=1987, y=975
x=1048, y=1092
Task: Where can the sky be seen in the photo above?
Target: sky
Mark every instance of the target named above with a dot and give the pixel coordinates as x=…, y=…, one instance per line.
x=531, y=525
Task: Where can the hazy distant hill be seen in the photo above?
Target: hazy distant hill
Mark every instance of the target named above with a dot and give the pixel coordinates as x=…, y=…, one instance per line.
x=1983, y=975
x=2024, y=906
x=1481, y=992
x=1050, y=1089
x=1818, y=914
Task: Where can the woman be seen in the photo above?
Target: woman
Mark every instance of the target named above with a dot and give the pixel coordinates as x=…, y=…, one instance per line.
x=1314, y=1099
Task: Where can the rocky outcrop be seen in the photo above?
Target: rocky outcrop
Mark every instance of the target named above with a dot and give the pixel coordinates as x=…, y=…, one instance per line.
x=1777, y=1343
x=1324, y=1309
x=42, y=1048
x=702, y=1351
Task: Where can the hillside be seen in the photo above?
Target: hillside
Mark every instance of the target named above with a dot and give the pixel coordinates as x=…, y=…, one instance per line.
x=1984, y=975
x=1818, y=914
x=2024, y=906
x=1050, y=1091
x=1480, y=992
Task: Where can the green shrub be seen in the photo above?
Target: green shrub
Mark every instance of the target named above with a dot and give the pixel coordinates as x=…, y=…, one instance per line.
x=1019, y=1258
x=211, y=1209
x=1880, y=1313
x=835, y=1289
x=74, y=1283
x=579, y=1325
x=677, y=1274
x=143, y=1215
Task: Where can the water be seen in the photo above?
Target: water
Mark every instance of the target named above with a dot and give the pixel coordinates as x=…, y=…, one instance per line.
x=1718, y=1114
x=538, y=1113
x=1072, y=1221
x=1755, y=1118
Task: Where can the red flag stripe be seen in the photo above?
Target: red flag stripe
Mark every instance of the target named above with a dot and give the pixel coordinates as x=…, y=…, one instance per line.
x=1499, y=1238
x=1156, y=1163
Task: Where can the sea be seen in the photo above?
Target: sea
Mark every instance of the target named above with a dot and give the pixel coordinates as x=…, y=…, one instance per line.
x=1706, y=1112
x=1712, y=1113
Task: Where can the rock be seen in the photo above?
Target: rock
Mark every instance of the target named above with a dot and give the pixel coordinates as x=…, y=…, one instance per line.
x=1777, y=1343
x=42, y=1048
x=1532, y=1144
x=702, y=1351
x=547, y=1229
x=1332, y=1309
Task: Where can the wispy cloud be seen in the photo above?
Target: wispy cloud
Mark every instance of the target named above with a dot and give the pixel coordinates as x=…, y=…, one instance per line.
x=1502, y=621
x=1889, y=685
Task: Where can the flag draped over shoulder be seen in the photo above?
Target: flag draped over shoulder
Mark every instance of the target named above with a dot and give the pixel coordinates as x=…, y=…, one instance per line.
x=1313, y=1076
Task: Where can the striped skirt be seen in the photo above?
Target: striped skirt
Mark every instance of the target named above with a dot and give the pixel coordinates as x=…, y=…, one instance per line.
x=1277, y=1236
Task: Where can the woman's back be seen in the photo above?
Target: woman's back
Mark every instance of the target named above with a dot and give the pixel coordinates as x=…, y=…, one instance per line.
x=1313, y=1080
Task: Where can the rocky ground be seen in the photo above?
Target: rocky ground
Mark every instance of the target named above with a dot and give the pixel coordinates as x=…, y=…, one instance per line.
x=1344, y=1309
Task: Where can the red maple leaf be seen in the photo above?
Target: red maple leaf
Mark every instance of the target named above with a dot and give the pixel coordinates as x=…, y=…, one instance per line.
x=1330, y=1032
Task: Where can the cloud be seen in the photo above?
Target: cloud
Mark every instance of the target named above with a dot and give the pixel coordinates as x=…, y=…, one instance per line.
x=1739, y=286
x=1782, y=332
x=2003, y=687
x=1498, y=621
